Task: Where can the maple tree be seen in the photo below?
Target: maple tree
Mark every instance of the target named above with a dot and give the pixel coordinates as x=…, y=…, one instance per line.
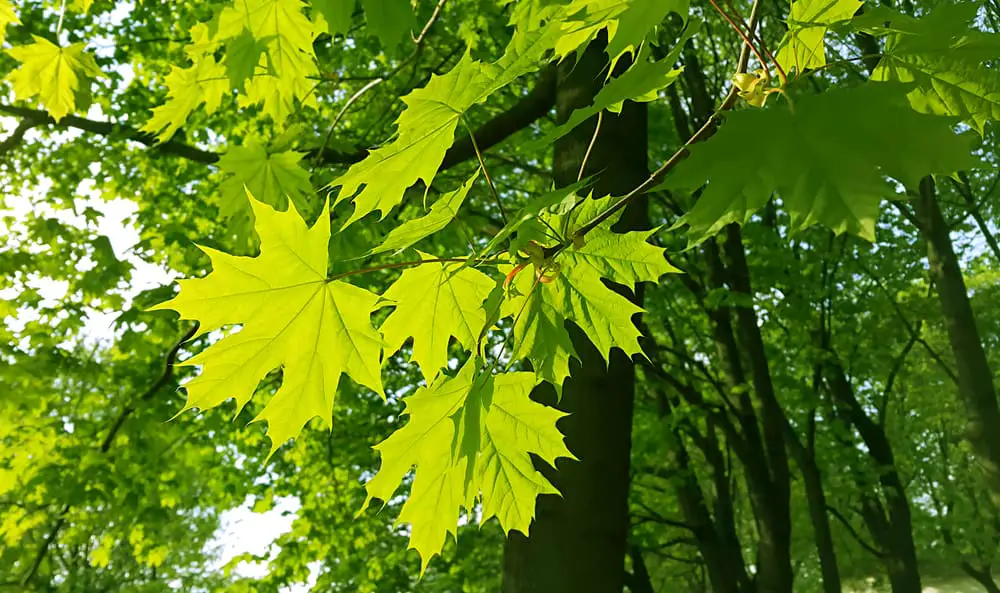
x=615, y=273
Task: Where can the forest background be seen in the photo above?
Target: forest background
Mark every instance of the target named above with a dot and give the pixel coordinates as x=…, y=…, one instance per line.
x=701, y=292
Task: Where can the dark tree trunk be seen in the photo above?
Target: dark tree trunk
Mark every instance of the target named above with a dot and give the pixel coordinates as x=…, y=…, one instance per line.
x=975, y=379
x=578, y=541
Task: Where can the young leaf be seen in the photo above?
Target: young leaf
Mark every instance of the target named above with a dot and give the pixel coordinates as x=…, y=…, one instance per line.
x=434, y=302
x=188, y=88
x=574, y=291
x=828, y=160
x=55, y=74
x=7, y=17
x=442, y=212
x=288, y=35
x=468, y=436
x=292, y=317
x=803, y=47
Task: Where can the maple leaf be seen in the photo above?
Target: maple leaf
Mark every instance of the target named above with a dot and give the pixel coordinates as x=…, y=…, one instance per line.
x=641, y=83
x=7, y=17
x=272, y=178
x=288, y=35
x=943, y=56
x=442, y=212
x=292, y=316
x=628, y=22
x=469, y=436
x=55, y=74
x=435, y=301
x=338, y=14
x=187, y=89
x=243, y=56
x=808, y=20
x=575, y=292
x=426, y=129
x=827, y=161
x=389, y=20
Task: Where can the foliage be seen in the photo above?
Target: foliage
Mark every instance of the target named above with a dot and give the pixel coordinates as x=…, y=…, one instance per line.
x=370, y=187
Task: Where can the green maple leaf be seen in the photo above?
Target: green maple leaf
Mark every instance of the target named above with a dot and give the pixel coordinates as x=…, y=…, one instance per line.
x=530, y=211
x=243, y=56
x=469, y=436
x=426, y=128
x=204, y=82
x=641, y=83
x=292, y=317
x=82, y=5
x=827, y=161
x=389, y=20
x=808, y=20
x=943, y=56
x=7, y=17
x=272, y=178
x=338, y=14
x=577, y=293
x=628, y=22
x=442, y=212
x=434, y=302
x=55, y=74
x=288, y=35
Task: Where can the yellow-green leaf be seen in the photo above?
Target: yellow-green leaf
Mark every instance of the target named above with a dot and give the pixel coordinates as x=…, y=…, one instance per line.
x=469, y=437
x=7, y=17
x=205, y=82
x=52, y=73
x=808, y=20
x=292, y=318
x=435, y=301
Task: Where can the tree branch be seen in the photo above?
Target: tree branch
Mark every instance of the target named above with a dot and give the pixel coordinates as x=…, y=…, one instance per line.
x=850, y=529
x=526, y=111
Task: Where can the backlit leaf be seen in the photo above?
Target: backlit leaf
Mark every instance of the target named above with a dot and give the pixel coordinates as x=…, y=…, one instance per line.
x=52, y=73
x=292, y=318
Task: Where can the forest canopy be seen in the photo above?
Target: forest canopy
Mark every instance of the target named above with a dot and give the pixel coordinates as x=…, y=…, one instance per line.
x=500, y=295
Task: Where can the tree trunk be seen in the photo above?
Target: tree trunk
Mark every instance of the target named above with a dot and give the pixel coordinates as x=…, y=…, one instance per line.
x=983, y=577
x=975, y=380
x=578, y=540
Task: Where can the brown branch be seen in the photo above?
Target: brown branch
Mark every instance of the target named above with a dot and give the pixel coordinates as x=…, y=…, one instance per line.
x=526, y=111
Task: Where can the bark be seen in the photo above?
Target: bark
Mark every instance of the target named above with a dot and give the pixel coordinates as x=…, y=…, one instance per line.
x=578, y=540
x=975, y=379
x=983, y=577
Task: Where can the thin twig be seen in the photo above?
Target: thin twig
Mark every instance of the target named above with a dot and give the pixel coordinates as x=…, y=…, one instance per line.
x=340, y=116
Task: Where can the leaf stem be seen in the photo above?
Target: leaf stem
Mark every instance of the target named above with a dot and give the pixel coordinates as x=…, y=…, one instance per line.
x=62, y=14
x=486, y=173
